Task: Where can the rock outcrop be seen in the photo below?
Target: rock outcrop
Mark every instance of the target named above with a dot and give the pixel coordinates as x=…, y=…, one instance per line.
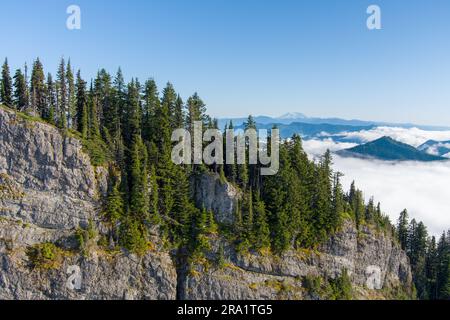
x=211, y=193
x=100, y=276
x=376, y=266
x=48, y=188
x=51, y=181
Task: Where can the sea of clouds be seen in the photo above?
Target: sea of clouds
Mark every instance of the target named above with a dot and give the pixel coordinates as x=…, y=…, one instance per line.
x=421, y=187
x=412, y=136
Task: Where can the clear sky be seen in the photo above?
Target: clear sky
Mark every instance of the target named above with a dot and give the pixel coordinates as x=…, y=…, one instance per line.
x=255, y=56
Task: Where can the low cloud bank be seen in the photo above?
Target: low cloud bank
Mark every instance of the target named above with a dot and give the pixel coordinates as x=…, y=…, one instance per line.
x=420, y=187
x=412, y=136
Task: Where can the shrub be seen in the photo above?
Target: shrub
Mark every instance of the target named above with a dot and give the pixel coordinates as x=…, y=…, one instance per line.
x=45, y=256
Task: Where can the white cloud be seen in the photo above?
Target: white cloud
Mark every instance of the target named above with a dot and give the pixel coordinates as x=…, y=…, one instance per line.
x=412, y=136
x=420, y=187
x=316, y=147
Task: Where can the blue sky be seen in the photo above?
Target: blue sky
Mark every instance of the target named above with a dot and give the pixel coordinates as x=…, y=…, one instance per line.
x=260, y=57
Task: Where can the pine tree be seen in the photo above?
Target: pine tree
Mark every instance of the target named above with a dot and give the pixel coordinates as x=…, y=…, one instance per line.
x=431, y=269
x=151, y=107
x=179, y=117
x=261, y=228
x=61, y=85
x=51, y=99
x=82, y=118
x=106, y=108
x=338, y=202
x=154, y=197
x=39, y=91
x=6, y=90
x=115, y=208
x=139, y=196
x=196, y=111
x=402, y=229
x=249, y=218
x=71, y=97
x=133, y=112
x=20, y=91
x=169, y=100
x=93, y=125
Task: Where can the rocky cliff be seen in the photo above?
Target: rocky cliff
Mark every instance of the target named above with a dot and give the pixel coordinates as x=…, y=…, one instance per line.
x=376, y=268
x=48, y=189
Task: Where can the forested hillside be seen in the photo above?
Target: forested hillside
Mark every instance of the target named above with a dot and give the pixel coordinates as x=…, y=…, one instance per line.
x=127, y=128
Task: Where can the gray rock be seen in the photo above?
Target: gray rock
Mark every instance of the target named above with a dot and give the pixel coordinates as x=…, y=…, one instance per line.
x=58, y=186
x=219, y=196
x=372, y=260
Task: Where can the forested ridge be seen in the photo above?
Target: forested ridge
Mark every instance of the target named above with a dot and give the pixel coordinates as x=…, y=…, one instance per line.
x=127, y=128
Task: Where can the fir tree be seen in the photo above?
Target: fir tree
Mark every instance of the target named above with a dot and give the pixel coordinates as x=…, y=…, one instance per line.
x=20, y=91
x=151, y=107
x=402, y=229
x=169, y=101
x=139, y=196
x=6, y=90
x=61, y=85
x=38, y=90
x=261, y=228
x=51, y=99
x=82, y=118
x=71, y=100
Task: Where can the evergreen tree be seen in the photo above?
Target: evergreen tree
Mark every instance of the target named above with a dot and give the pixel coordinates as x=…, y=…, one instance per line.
x=133, y=113
x=20, y=91
x=261, y=228
x=82, y=117
x=151, y=107
x=196, y=111
x=178, y=117
x=71, y=97
x=115, y=207
x=139, y=196
x=61, y=85
x=39, y=91
x=402, y=229
x=169, y=101
x=337, y=202
x=93, y=125
x=6, y=90
x=51, y=99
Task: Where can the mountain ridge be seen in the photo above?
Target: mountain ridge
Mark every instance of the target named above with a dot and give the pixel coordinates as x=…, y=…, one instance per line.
x=386, y=148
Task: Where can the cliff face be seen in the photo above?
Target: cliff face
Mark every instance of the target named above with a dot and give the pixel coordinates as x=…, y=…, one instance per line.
x=48, y=188
x=47, y=180
x=376, y=267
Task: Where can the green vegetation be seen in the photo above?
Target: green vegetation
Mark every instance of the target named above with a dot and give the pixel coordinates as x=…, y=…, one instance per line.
x=430, y=259
x=45, y=256
x=339, y=288
x=128, y=127
x=86, y=238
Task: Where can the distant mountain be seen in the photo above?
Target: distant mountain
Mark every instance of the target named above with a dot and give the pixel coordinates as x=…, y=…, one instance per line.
x=387, y=148
x=438, y=148
x=295, y=117
x=309, y=130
